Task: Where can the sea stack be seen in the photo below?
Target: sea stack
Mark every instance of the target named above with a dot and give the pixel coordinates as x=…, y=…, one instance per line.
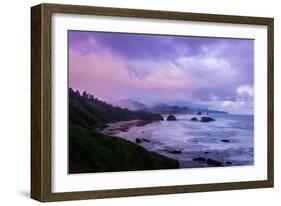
x=171, y=118
x=207, y=119
x=194, y=119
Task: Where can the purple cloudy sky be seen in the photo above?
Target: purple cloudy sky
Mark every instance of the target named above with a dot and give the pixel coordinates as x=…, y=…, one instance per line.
x=214, y=73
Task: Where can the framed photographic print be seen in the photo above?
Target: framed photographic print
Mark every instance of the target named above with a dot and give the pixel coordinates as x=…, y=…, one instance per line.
x=130, y=102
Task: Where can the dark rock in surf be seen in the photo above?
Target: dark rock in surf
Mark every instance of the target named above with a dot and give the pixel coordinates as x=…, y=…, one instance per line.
x=207, y=119
x=138, y=140
x=194, y=119
x=141, y=140
x=145, y=140
x=199, y=159
x=228, y=163
x=171, y=118
x=225, y=140
x=214, y=162
x=199, y=113
x=124, y=129
x=174, y=151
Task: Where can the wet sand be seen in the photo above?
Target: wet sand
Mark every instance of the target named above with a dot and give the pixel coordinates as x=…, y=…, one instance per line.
x=123, y=126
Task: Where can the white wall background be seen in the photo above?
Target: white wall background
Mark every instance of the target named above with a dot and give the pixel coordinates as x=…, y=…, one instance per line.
x=15, y=102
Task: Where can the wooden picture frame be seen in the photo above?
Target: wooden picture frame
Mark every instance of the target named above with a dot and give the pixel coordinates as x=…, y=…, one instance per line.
x=41, y=95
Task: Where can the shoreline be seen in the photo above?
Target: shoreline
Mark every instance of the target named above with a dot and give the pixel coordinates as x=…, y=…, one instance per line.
x=124, y=126
x=120, y=154
x=206, y=157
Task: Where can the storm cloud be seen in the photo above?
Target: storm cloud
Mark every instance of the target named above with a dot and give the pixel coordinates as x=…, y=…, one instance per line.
x=214, y=73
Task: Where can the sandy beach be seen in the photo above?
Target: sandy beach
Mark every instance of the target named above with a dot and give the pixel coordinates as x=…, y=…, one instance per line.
x=123, y=126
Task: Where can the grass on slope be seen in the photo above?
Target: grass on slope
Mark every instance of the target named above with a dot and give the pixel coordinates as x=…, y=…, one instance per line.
x=90, y=151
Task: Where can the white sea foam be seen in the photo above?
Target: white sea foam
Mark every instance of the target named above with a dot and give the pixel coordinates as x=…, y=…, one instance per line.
x=196, y=139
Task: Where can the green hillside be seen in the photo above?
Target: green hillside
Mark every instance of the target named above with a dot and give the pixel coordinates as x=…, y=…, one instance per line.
x=87, y=111
x=92, y=151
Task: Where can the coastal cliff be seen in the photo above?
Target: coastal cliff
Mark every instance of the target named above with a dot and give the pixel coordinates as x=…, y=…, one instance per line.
x=92, y=151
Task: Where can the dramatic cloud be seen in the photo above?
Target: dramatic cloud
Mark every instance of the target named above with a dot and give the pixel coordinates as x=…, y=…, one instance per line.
x=215, y=73
x=245, y=90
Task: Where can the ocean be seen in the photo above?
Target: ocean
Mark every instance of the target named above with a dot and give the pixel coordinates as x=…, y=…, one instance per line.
x=228, y=140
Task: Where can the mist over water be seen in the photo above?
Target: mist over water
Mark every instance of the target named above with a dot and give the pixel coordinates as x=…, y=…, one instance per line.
x=199, y=139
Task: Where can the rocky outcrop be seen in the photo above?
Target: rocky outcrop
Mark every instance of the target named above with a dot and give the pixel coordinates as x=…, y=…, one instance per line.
x=145, y=140
x=174, y=151
x=199, y=159
x=194, y=119
x=214, y=162
x=207, y=119
x=199, y=113
x=140, y=140
x=171, y=118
